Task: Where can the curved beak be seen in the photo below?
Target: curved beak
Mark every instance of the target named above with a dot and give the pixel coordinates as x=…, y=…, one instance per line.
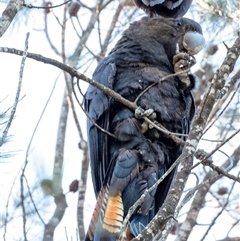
x=193, y=42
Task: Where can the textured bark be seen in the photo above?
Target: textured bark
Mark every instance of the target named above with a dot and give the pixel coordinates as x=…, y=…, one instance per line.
x=82, y=189
x=61, y=205
x=199, y=199
x=8, y=14
x=59, y=197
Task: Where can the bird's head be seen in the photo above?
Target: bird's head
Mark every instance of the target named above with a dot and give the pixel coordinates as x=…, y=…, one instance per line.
x=175, y=35
x=191, y=39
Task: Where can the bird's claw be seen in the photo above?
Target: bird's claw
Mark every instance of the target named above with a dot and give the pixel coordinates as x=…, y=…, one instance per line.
x=182, y=63
x=141, y=113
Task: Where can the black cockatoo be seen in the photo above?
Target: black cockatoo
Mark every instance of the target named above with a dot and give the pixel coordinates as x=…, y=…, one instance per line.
x=126, y=164
x=164, y=8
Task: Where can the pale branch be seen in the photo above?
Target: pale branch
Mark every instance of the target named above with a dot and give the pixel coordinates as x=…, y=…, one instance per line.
x=218, y=215
x=218, y=169
x=85, y=6
x=73, y=59
x=85, y=162
x=111, y=28
x=14, y=108
x=8, y=14
x=157, y=225
x=217, y=107
x=61, y=205
x=59, y=150
x=45, y=30
x=233, y=225
x=23, y=207
x=219, y=79
x=185, y=200
x=230, y=85
x=25, y=164
x=206, y=156
x=6, y=208
x=198, y=202
x=12, y=114
x=82, y=188
x=82, y=142
x=59, y=197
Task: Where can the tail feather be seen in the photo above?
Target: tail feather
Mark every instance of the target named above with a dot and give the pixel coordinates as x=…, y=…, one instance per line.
x=95, y=216
x=113, y=217
x=107, y=218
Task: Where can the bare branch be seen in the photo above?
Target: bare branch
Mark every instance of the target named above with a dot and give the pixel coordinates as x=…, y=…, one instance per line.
x=48, y=7
x=47, y=35
x=5, y=132
x=210, y=178
x=218, y=215
x=230, y=85
x=61, y=205
x=204, y=158
x=31, y=198
x=12, y=114
x=111, y=28
x=219, y=170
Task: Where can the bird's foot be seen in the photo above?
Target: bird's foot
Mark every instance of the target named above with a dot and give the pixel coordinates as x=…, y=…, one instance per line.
x=141, y=113
x=182, y=63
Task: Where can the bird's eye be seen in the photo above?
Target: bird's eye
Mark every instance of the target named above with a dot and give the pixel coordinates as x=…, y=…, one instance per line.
x=179, y=23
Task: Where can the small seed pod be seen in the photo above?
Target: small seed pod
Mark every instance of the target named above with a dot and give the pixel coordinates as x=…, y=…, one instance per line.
x=222, y=191
x=47, y=6
x=74, y=186
x=74, y=8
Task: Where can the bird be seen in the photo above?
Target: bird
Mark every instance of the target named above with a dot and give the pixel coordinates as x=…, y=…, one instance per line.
x=129, y=156
x=164, y=8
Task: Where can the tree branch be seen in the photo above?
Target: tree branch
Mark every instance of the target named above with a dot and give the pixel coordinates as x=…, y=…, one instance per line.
x=8, y=14
x=5, y=132
x=198, y=202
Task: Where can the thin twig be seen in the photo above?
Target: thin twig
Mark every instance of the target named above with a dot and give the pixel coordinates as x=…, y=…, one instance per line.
x=220, y=114
x=5, y=132
x=205, y=158
x=218, y=215
x=48, y=7
x=31, y=198
x=47, y=35
x=22, y=175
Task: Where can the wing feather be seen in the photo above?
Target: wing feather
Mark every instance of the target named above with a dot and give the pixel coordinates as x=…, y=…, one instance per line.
x=96, y=103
